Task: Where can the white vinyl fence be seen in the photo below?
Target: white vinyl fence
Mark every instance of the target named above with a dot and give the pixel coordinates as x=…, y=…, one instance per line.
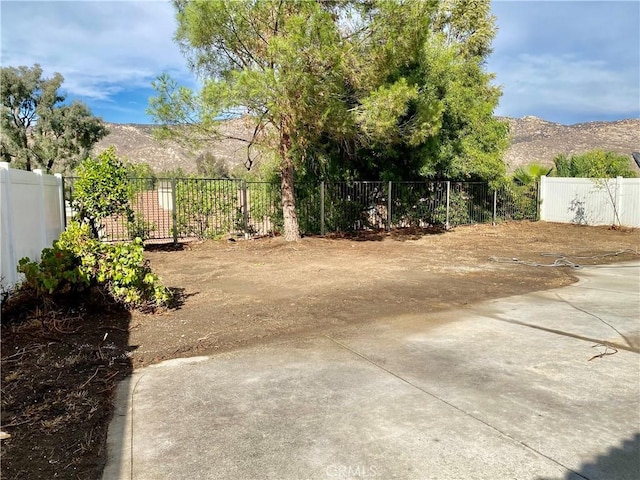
x=33, y=216
x=589, y=201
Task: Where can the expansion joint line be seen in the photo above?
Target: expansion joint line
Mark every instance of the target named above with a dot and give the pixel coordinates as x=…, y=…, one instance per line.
x=133, y=391
x=455, y=407
x=596, y=317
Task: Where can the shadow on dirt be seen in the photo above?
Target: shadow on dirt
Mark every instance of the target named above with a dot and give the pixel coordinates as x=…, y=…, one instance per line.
x=179, y=297
x=398, y=234
x=168, y=246
x=60, y=367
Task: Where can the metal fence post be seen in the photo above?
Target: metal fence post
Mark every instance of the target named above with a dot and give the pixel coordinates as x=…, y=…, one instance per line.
x=389, y=216
x=495, y=205
x=322, y=225
x=446, y=223
x=245, y=209
x=63, y=203
x=174, y=213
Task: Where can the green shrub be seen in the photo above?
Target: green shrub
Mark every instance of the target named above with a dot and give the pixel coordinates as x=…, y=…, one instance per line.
x=58, y=271
x=415, y=204
x=594, y=164
x=78, y=261
x=102, y=190
x=458, y=210
x=122, y=268
x=518, y=202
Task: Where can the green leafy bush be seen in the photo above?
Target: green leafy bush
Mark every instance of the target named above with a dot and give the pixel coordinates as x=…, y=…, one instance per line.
x=594, y=164
x=414, y=203
x=458, y=210
x=58, y=271
x=102, y=190
x=78, y=261
x=517, y=202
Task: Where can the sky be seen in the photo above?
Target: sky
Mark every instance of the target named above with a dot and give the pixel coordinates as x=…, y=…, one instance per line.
x=563, y=61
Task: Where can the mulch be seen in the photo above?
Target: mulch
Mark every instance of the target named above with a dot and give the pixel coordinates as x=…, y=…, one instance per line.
x=60, y=366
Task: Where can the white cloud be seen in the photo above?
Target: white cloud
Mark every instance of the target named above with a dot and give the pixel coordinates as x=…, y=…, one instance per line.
x=568, y=61
x=100, y=48
x=569, y=84
x=553, y=58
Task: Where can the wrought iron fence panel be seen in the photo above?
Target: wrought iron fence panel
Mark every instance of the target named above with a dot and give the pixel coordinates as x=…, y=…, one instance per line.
x=150, y=220
x=469, y=203
x=517, y=203
x=418, y=204
x=351, y=206
x=182, y=208
x=308, y=199
x=263, y=208
x=208, y=208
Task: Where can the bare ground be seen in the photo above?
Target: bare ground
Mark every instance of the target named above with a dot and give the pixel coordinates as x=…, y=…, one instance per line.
x=60, y=364
x=238, y=293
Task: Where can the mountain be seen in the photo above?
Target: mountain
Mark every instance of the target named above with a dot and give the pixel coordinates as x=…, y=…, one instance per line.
x=136, y=143
x=532, y=140
x=536, y=140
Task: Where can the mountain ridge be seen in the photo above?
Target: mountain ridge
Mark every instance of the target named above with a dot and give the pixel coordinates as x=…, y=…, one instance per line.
x=532, y=140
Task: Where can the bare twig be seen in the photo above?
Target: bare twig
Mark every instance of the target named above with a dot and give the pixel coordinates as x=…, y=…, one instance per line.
x=606, y=351
x=56, y=326
x=15, y=424
x=115, y=328
x=91, y=378
x=108, y=379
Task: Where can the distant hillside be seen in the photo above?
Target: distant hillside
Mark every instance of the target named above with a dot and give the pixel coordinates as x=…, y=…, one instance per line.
x=136, y=144
x=532, y=139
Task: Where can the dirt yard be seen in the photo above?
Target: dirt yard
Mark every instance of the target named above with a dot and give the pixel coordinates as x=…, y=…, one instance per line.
x=59, y=370
x=242, y=292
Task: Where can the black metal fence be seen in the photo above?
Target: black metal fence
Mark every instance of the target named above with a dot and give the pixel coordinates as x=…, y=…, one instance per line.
x=183, y=208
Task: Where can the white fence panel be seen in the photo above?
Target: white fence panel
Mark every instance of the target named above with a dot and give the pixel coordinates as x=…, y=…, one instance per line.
x=589, y=201
x=629, y=202
x=32, y=206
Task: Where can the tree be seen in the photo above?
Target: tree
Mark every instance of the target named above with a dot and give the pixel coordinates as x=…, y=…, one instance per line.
x=279, y=60
x=101, y=190
x=38, y=128
x=530, y=174
x=427, y=60
x=210, y=166
x=594, y=164
x=345, y=87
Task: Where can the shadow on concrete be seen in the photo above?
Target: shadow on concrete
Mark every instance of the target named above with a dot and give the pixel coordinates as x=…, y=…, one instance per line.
x=119, y=438
x=620, y=462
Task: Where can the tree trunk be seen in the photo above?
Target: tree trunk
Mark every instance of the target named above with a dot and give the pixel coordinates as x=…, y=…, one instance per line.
x=289, y=214
x=28, y=161
x=24, y=143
